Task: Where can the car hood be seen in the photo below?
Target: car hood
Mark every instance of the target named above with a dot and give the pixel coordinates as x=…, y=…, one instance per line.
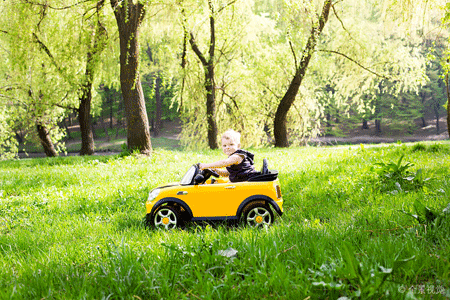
x=169, y=185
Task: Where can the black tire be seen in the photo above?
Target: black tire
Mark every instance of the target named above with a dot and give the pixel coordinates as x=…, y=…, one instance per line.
x=167, y=218
x=257, y=214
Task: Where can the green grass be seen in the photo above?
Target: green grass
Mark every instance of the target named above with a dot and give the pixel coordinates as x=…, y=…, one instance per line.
x=72, y=228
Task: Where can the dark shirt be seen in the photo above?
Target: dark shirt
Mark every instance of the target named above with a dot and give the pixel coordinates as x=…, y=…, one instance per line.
x=244, y=170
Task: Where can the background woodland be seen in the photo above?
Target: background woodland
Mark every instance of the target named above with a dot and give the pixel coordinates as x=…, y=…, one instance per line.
x=279, y=71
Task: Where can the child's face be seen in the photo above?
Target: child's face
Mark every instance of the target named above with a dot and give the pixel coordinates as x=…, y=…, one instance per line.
x=229, y=146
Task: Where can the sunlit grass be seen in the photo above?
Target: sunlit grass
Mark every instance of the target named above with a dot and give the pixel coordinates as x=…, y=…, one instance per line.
x=72, y=228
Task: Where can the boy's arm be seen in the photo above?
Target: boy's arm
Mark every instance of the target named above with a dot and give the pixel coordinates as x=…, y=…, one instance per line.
x=232, y=160
x=222, y=172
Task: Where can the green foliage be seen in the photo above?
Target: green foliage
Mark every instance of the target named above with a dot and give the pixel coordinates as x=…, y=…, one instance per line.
x=419, y=147
x=47, y=57
x=396, y=177
x=257, y=45
x=8, y=144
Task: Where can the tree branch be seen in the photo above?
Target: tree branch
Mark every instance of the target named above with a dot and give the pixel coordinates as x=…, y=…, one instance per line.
x=293, y=53
x=56, y=8
x=342, y=24
x=46, y=50
x=67, y=107
x=226, y=5
x=197, y=50
x=212, y=43
x=228, y=95
x=354, y=61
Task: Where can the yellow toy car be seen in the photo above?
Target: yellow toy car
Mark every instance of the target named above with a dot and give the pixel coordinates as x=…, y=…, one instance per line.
x=199, y=197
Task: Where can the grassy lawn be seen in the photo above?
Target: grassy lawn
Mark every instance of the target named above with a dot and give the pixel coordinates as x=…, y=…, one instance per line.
x=72, y=228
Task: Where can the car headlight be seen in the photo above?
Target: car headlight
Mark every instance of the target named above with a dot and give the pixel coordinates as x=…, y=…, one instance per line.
x=153, y=194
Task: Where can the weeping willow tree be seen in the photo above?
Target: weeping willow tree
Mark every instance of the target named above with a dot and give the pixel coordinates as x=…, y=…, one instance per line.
x=31, y=82
x=55, y=56
x=431, y=19
x=215, y=75
x=382, y=65
x=267, y=56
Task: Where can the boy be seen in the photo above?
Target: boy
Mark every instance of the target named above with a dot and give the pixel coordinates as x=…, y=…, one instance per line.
x=239, y=164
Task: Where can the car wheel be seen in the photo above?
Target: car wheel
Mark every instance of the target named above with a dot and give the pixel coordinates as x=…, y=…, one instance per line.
x=167, y=218
x=258, y=215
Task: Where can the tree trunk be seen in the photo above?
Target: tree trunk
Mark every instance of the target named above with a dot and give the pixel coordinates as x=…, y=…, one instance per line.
x=328, y=118
x=84, y=117
x=19, y=138
x=378, y=126
x=424, y=122
x=365, y=125
x=158, y=113
x=129, y=18
x=280, y=129
x=209, y=84
x=105, y=127
x=46, y=142
x=437, y=116
x=84, y=112
x=111, y=108
x=211, y=107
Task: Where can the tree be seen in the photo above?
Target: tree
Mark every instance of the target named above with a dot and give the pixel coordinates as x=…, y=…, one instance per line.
x=31, y=80
x=413, y=11
x=209, y=83
x=129, y=16
x=96, y=45
x=213, y=74
x=82, y=44
x=280, y=128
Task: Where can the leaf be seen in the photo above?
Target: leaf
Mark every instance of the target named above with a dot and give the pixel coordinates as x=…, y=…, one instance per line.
x=384, y=270
x=400, y=160
x=351, y=262
x=230, y=252
x=332, y=285
x=425, y=215
x=398, y=263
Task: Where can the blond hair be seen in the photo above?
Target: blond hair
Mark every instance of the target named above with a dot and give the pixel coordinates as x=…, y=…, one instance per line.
x=233, y=135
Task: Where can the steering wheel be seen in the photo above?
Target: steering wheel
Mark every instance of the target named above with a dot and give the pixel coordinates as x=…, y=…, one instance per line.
x=201, y=176
x=207, y=173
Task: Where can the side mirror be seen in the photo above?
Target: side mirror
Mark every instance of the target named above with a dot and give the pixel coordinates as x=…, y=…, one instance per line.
x=199, y=178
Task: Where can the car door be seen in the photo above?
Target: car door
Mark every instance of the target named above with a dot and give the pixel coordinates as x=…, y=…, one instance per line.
x=213, y=200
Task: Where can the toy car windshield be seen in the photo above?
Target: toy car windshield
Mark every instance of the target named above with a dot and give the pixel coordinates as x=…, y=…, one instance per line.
x=187, y=178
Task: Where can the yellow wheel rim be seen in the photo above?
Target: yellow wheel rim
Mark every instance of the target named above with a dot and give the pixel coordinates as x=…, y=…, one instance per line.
x=259, y=219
